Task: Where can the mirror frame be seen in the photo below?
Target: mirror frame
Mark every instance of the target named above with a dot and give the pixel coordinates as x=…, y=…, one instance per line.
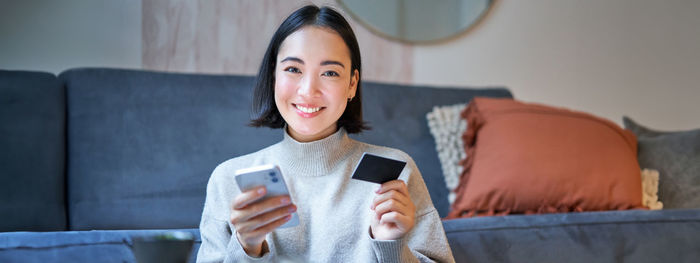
x=489, y=9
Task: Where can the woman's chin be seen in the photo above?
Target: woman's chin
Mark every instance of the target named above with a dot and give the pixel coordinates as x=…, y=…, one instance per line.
x=308, y=133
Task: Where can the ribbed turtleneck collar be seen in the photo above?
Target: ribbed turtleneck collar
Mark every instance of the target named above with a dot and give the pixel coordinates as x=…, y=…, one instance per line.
x=316, y=158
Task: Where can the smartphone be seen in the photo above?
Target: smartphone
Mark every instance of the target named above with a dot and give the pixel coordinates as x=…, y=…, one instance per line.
x=377, y=169
x=269, y=176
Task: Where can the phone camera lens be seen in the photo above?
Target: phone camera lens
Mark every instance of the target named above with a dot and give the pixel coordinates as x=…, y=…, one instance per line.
x=272, y=173
x=274, y=179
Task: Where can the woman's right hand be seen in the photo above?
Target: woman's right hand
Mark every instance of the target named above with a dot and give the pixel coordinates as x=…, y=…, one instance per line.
x=253, y=218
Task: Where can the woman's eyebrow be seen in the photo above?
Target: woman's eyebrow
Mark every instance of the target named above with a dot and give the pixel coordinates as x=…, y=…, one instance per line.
x=295, y=59
x=324, y=63
x=332, y=62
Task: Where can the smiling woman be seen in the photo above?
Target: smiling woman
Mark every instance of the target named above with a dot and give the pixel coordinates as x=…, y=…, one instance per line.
x=309, y=85
x=292, y=36
x=312, y=84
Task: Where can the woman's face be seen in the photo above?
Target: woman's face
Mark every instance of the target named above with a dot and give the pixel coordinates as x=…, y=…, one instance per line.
x=313, y=82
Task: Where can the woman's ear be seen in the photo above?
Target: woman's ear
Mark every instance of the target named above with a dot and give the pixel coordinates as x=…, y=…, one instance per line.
x=354, y=79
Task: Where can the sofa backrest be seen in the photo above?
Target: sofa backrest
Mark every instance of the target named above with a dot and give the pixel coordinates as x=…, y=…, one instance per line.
x=397, y=115
x=32, y=152
x=142, y=145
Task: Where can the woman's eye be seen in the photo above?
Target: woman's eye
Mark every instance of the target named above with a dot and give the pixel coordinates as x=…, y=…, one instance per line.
x=331, y=74
x=292, y=70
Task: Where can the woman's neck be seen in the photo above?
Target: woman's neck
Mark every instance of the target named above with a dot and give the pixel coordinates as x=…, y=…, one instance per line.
x=314, y=158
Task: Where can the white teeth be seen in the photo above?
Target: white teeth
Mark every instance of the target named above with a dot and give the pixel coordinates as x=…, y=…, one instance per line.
x=308, y=110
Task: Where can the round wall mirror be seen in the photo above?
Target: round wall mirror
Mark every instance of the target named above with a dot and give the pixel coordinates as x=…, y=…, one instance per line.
x=417, y=21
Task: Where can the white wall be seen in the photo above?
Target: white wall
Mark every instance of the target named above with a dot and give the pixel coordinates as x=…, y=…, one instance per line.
x=52, y=36
x=639, y=58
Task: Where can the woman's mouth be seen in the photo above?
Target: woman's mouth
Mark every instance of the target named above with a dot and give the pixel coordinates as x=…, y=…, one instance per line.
x=307, y=110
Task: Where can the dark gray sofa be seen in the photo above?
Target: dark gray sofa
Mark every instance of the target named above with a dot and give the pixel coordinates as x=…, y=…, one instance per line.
x=94, y=158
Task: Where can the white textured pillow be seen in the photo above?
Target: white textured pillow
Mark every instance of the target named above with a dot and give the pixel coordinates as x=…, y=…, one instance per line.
x=650, y=189
x=447, y=128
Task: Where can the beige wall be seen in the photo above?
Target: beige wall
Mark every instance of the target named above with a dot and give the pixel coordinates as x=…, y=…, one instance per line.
x=47, y=35
x=625, y=57
x=639, y=58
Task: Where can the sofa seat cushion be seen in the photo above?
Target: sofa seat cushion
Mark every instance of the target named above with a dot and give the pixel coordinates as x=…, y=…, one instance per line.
x=77, y=246
x=609, y=236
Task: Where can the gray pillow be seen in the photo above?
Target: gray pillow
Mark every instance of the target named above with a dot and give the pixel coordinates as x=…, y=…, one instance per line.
x=676, y=155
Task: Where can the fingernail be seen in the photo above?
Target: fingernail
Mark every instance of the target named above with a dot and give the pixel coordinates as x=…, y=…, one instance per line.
x=285, y=200
x=378, y=188
x=292, y=209
x=261, y=191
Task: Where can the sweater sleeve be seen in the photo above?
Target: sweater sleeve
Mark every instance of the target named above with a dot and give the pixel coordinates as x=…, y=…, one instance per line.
x=219, y=242
x=427, y=241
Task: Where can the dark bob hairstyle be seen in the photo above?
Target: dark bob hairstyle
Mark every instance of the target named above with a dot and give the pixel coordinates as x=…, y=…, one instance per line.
x=265, y=111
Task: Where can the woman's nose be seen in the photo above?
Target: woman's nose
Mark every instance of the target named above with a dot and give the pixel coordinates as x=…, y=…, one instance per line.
x=309, y=87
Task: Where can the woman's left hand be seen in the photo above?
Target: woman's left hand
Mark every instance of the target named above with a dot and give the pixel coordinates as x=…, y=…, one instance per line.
x=394, y=212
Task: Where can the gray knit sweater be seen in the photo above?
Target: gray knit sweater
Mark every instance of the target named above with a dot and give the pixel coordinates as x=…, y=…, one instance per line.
x=334, y=210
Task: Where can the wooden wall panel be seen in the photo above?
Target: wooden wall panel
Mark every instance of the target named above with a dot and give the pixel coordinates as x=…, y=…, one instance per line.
x=230, y=37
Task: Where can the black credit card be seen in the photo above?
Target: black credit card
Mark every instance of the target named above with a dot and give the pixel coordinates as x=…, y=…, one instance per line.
x=377, y=169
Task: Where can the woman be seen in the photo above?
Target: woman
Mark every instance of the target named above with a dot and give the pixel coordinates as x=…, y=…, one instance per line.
x=309, y=84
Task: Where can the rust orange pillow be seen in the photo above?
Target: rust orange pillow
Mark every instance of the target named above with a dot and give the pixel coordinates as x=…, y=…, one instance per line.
x=528, y=158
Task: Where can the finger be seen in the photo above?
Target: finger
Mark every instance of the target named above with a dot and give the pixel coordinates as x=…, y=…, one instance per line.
x=258, y=208
x=397, y=185
x=248, y=197
x=267, y=218
x=392, y=206
x=401, y=221
x=393, y=194
x=272, y=226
